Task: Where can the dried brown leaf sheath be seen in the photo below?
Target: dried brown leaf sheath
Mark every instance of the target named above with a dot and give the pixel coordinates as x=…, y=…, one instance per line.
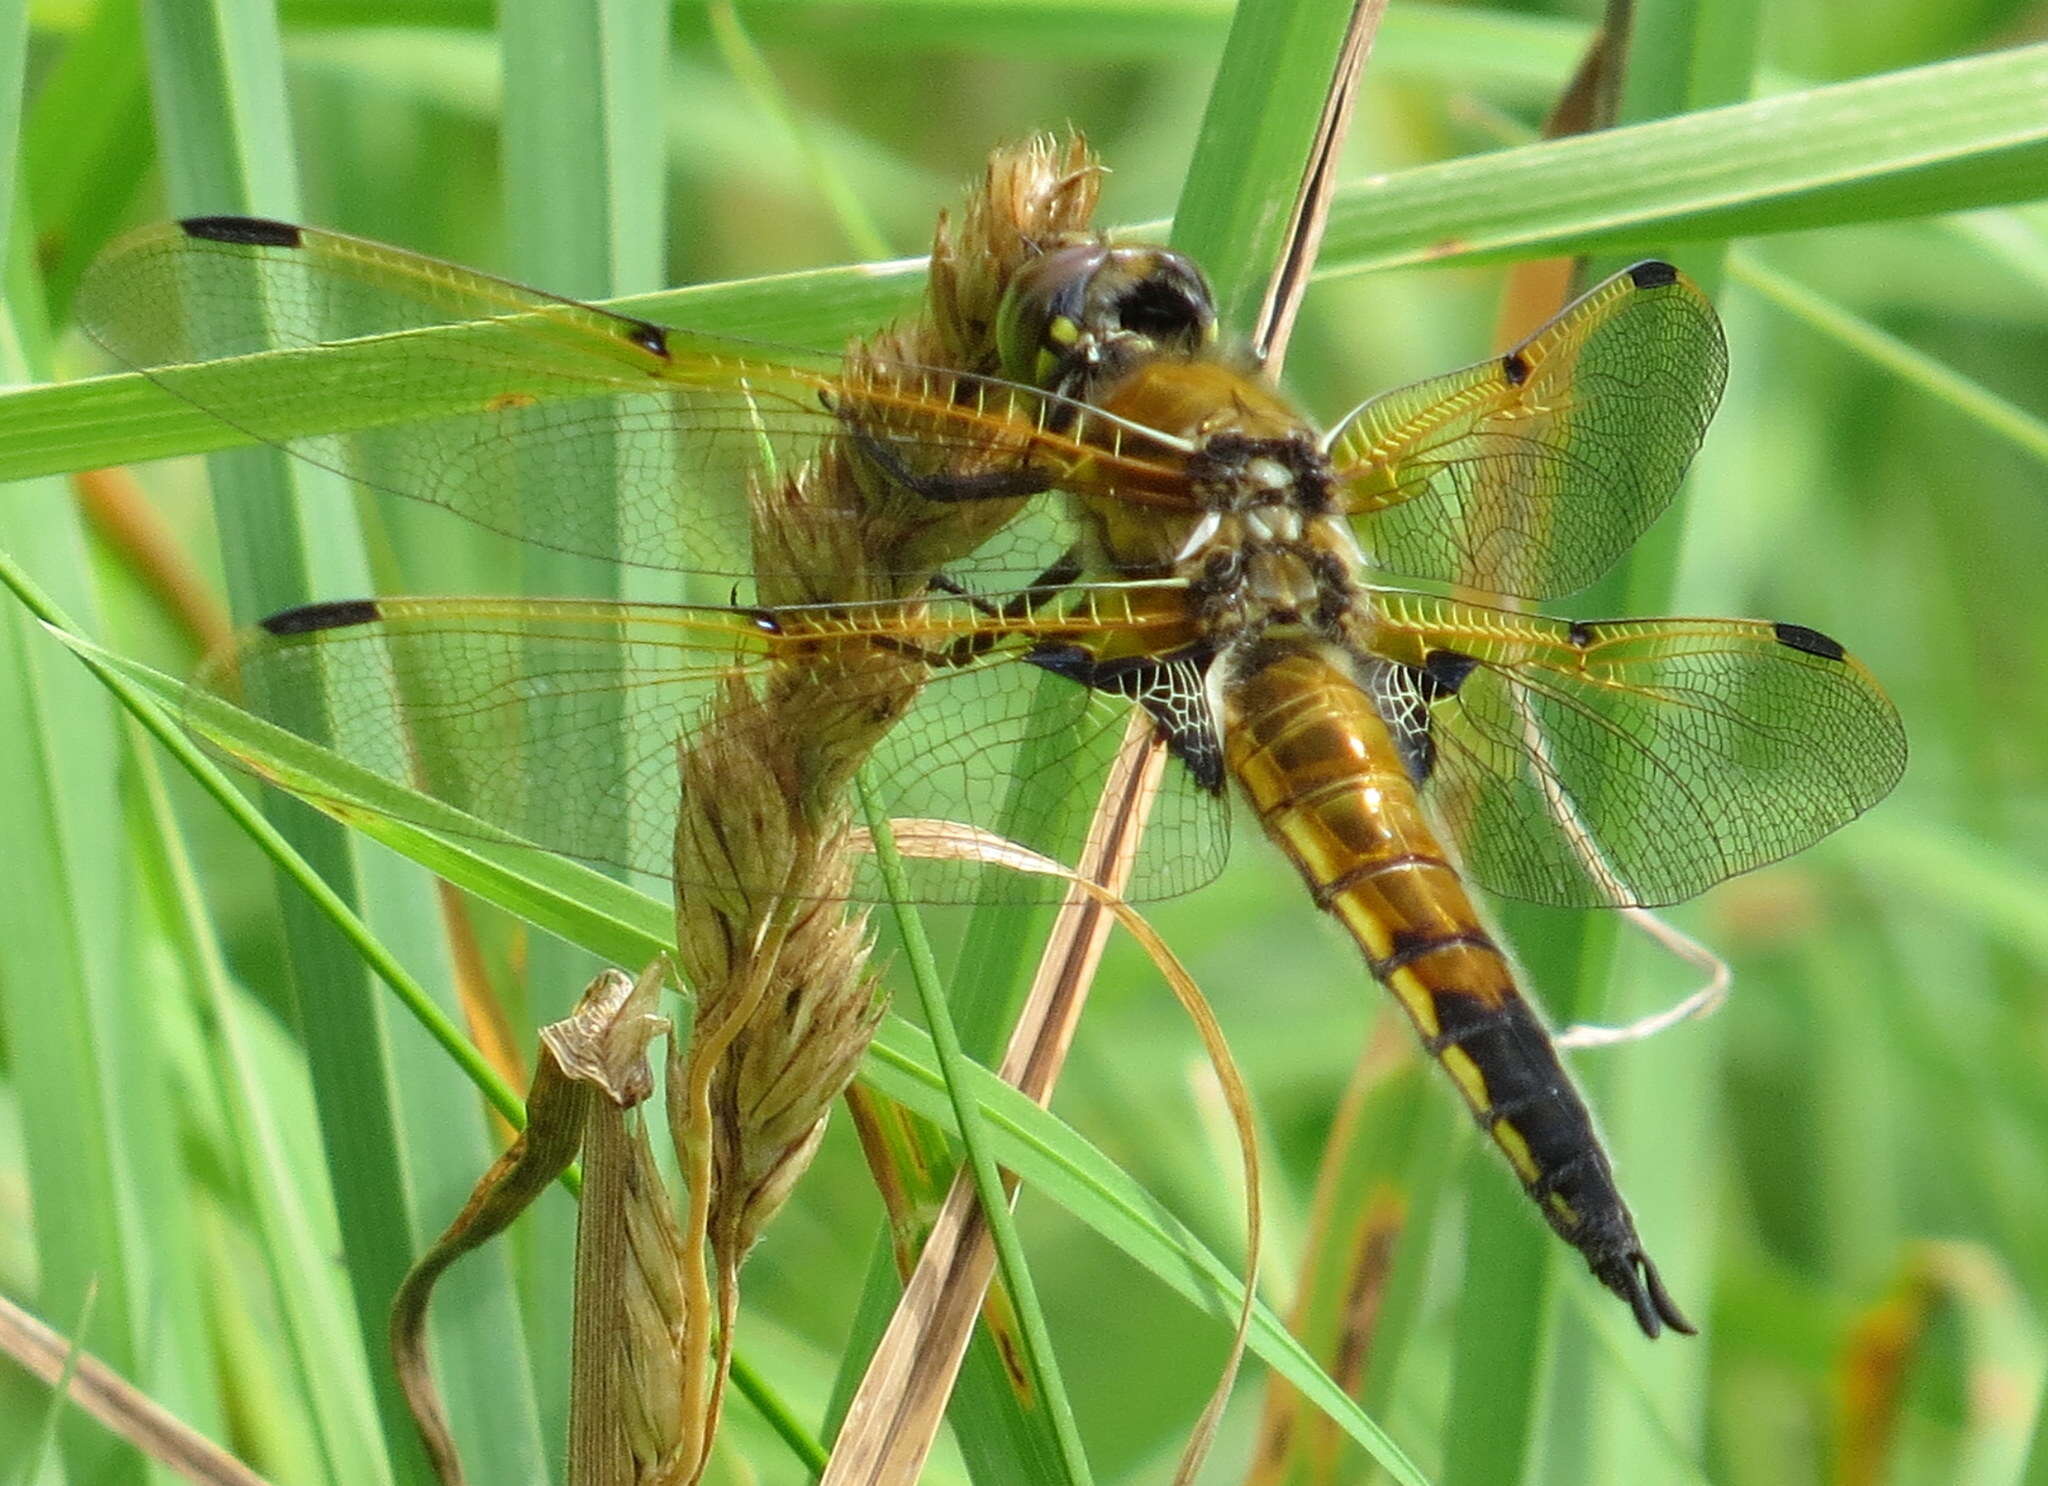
x=593, y=1060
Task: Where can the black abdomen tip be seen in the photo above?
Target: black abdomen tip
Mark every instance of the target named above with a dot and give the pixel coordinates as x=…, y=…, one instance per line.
x=1652, y=273
x=1810, y=641
x=307, y=618
x=259, y=232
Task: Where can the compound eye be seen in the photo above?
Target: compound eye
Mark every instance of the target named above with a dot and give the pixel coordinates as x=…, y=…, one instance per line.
x=1164, y=301
x=1082, y=315
x=1042, y=323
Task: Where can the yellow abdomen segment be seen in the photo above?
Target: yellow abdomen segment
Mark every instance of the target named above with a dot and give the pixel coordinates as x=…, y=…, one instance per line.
x=1319, y=765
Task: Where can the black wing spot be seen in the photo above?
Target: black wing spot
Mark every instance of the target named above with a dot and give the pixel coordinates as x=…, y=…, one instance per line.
x=648, y=337
x=1652, y=273
x=256, y=232
x=1581, y=635
x=1808, y=641
x=1515, y=367
x=1446, y=671
x=308, y=618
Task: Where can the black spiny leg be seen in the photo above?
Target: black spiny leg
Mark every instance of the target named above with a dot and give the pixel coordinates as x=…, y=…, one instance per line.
x=1010, y=484
x=1035, y=595
x=1042, y=590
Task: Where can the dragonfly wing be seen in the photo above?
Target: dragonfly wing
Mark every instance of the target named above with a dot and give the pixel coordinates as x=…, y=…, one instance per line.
x=1633, y=762
x=548, y=420
x=1528, y=474
x=556, y=724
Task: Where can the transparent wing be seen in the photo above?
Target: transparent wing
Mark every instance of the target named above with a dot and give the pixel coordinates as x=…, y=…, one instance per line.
x=549, y=420
x=557, y=724
x=1634, y=761
x=1528, y=475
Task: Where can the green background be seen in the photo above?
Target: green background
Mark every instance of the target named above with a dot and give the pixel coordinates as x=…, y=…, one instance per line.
x=1842, y=1172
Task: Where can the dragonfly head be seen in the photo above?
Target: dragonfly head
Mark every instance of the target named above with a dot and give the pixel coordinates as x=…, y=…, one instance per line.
x=1081, y=315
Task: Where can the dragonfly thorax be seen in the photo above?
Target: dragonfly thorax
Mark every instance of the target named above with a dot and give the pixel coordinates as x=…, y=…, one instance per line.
x=1263, y=544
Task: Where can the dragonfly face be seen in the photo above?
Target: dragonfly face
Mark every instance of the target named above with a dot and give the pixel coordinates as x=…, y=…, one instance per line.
x=1084, y=313
x=1130, y=512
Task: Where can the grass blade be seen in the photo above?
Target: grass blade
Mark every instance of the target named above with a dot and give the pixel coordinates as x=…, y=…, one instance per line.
x=397, y=1133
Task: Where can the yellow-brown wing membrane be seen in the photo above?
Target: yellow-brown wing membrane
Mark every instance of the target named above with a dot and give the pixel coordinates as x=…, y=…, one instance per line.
x=1631, y=761
x=540, y=417
x=1528, y=475
x=556, y=723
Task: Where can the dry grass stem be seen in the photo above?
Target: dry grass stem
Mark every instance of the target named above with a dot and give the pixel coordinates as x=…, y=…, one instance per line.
x=96, y=1389
x=894, y=1415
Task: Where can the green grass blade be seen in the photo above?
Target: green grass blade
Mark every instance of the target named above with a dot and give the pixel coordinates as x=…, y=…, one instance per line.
x=127, y=418
x=1234, y=214
x=79, y=1069
x=403, y=1142
x=1946, y=137
x=1871, y=150
x=585, y=212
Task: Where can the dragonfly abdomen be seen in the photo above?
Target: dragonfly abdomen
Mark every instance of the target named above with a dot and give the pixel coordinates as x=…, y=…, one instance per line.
x=1321, y=767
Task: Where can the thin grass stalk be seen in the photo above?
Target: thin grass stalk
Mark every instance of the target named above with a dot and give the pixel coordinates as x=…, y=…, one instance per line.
x=894, y=1415
x=116, y=1403
x=985, y=1177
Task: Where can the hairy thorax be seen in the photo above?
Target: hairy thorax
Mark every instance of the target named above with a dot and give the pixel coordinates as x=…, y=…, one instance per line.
x=1260, y=544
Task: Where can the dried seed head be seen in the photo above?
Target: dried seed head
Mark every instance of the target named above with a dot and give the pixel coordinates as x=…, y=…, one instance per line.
x=810, y=536
x=736, y=838
x=1034, y=194
x=778, y=1081
x=785, y=1003
x=651, y=1306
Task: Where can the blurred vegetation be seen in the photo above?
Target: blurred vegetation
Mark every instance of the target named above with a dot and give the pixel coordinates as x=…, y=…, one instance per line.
x=1845, y=1173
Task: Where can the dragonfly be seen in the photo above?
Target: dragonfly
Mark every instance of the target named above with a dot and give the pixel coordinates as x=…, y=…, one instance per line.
x=1334, y=626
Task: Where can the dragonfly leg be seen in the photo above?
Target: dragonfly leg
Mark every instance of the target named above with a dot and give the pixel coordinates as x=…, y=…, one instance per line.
x=1009, y=484
x=1042, y=590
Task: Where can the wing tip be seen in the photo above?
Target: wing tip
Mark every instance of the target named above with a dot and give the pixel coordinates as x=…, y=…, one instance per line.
x=306, y=619
x=1653, y=273
x=255, y=232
